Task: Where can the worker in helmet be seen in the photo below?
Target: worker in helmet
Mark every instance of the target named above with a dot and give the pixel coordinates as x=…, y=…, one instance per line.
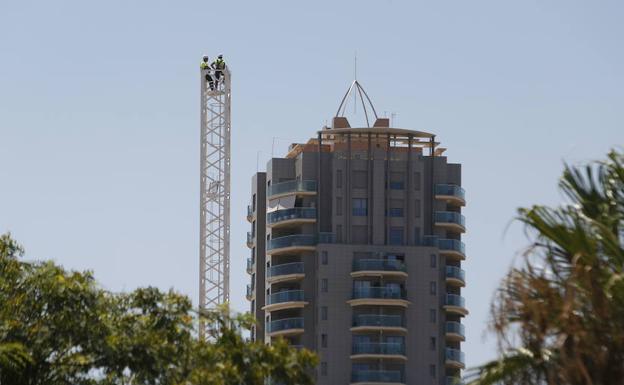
x=218, y=65
x=205, y=67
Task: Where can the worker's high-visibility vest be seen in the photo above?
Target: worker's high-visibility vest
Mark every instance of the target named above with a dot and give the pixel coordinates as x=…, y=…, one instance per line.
x=204, y=65
x=219, y=64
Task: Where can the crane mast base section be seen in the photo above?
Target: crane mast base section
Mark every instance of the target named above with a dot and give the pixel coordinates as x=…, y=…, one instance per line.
x=214, y=237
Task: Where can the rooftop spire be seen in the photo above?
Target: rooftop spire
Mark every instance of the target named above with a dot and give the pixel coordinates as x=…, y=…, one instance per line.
x=357, y=89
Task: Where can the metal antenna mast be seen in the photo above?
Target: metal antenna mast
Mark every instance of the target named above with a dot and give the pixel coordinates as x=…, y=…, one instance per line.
x=214, y=232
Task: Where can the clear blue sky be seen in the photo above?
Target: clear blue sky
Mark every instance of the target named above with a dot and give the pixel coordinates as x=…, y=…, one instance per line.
x=99, y=116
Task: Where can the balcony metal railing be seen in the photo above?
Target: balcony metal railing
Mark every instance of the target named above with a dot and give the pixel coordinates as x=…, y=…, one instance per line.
x=452, y=245
x=450, y=217
x=378, y=265
x=455, y=272
x=285, y=324
x=455, y=328
x=292, y=186
x=291, y=241
x=455, y=300
x=379, y=292
x=450, y=190
x=384, y=376
x=455, y=355
x=285, y=269
x=292, y=213
x=378, y=348
x=380, y=320
x=285, y=296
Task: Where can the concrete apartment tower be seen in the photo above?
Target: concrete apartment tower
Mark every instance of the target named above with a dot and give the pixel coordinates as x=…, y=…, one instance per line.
x=356, y=254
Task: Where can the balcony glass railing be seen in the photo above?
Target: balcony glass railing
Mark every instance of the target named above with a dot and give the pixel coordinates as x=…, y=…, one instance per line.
x=429, y=240
x=292, y=186
x=250, y=264
x=455, y=272
x=380, y=320
x=379, y=292
x=378, y=348
x=285, y=324
x=250, y=237
x=249, y=211
x=452, y=245
x=454, y=381
x=455, y=328
x=450, y=217
x=249, y=291
x=455, y=355
x=292, y=213
x=326, y=238
x=384, y=376
x=285, y=296
x=378, y=265
x=455, y=300
x=291, y=241
x=285, y=269
x=450, y=190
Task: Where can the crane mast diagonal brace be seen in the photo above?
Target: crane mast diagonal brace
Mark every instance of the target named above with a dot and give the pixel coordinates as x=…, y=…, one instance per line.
x=214, y=232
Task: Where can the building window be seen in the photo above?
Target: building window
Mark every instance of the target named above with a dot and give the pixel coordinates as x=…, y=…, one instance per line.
x=253, y=228
x=432, y=315
x=338, y=233
x=396, y=236
x=338, y=178
x=434, y=260
x=323, y=368
x=359, y=207
x=432, y=343
x=323, y=313
x=397, y=181
x=253, y=305
x=323, y=340
x=324, y=284
x=417, y=181
x=432, y=288
x=360, y=179
x=432, y=371
x=324, y=258
x=338, y=206
x=396, y=208
x=417, y=208
x=253, y=203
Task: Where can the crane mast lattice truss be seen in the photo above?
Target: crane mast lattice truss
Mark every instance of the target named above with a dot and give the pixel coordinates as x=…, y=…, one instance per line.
x=214, y=249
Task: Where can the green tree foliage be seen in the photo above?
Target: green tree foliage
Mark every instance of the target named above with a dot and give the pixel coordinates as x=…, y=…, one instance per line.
x=59, y=327
x=559, y=316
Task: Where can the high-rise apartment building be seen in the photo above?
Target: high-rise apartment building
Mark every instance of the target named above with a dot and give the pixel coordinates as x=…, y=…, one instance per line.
x=356, y=254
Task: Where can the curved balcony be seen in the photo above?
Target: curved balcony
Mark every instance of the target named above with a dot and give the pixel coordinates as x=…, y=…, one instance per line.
x=250, y=266
x=286, y=326
x=377, y=350
x=455, y=331
x=292, y=216
x=455, y=276
x=288, y=299
x=361, y=377
x=285, y=272
x=296, y=187
x=455, y=304
x=250, y=213
x=455, y=358
x=452, y=248
x=451, y=193
x=378, y=296
x=291, y=244
x=378, y=267
x=250, y=239
x=450, y=220
x=249, y=293
x=378, y=322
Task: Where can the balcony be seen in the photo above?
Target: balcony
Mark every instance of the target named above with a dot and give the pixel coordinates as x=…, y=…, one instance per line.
x=285, y=272
x=249, y=293
x=450, y=220
x=250, y=266
x=450, y=193
x=378, y=350
x=292, y=216
x=361, y=377
x=455, y=358
x=297, y=187
x=250, y=239
x=250, y=213
x=452, y=248
x=455, y=331
x=326, y=238
x=378, y=322
x=288, y=299
x=454, y=381
x=455, y=304
x=455, y=276
x=378, y=296
x=291, y=244
x=378, y=267
x=286, y=326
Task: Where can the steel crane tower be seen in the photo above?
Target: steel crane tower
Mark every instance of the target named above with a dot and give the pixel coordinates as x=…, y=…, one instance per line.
x=214, y=231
